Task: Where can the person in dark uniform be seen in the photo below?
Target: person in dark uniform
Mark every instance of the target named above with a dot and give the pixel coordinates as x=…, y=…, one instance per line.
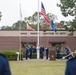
x=34, y=49
x=58, y=53
x=41, y=52
x=26, y=53
x=30, y=52
x=67, y=51
x=47, y=52
x=4, y=65
x=71, y=67
x=71, y=64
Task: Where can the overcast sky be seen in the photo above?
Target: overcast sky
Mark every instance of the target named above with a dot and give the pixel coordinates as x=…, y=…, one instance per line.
x=11, y=11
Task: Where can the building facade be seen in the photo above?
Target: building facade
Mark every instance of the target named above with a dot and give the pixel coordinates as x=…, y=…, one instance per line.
x=14, y=40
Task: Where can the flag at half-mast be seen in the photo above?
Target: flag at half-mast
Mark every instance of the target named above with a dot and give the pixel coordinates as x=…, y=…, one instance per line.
x=29, y=27
x=43, y=12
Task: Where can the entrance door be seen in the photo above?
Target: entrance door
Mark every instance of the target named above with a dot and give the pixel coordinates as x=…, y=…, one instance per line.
x=25, y=44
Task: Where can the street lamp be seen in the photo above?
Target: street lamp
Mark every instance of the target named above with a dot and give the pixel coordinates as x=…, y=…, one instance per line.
x=0, y=15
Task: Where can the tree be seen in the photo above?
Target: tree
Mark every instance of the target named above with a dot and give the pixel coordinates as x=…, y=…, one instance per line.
x=16, y=26
x=6, y=28
x=3, y=27
x=70, y=26
x=32, y=21
x=68, y=7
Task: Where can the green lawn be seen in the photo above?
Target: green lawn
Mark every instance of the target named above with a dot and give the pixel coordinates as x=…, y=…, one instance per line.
x=38, y=67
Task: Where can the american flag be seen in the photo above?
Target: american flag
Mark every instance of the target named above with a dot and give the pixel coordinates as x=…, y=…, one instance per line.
x=43, y=12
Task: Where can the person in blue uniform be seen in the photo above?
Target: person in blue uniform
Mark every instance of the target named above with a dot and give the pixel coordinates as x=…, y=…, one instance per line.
x=30, y=52
x=26, y=52
x=71, y=64
x=41, y=52
x=71, y=67
x=4, y=65
x=47, y=52
x=58, y=53
x=67, y=51
x=34, y=49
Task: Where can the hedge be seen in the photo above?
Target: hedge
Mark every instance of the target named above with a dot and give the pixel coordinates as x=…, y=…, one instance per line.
x=11, y=55
x=34, y=55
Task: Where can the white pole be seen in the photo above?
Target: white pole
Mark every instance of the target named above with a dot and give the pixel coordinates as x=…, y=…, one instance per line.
x=38, y=34
x=20, y=31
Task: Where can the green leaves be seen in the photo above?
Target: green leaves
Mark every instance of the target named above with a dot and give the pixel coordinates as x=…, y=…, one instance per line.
x=67, y=7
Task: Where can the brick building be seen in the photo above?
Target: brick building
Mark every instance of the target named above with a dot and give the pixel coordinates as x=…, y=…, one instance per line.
x=11, y=40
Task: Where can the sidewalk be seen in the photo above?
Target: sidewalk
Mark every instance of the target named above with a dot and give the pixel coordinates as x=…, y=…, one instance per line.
x=36, y=59
x=41, y=59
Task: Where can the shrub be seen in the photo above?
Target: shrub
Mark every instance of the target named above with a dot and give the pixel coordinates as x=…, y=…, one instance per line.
x=34, y=55
x=11, y=55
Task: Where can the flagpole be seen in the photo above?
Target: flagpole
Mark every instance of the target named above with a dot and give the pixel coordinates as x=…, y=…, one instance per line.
x=20, y=31
x=38, y=34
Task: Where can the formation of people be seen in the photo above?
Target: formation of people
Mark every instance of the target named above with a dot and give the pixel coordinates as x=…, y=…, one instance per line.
x=29, y=51
x=32, y=49
x=44, y=52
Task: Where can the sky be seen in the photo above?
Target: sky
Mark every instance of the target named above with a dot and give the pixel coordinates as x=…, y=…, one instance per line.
x=11, y=10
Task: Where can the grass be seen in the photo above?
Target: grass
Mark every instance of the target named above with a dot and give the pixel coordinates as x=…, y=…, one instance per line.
x=37, y=67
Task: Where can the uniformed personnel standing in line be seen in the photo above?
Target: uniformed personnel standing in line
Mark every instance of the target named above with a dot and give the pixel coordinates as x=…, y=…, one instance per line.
x=4, y=65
